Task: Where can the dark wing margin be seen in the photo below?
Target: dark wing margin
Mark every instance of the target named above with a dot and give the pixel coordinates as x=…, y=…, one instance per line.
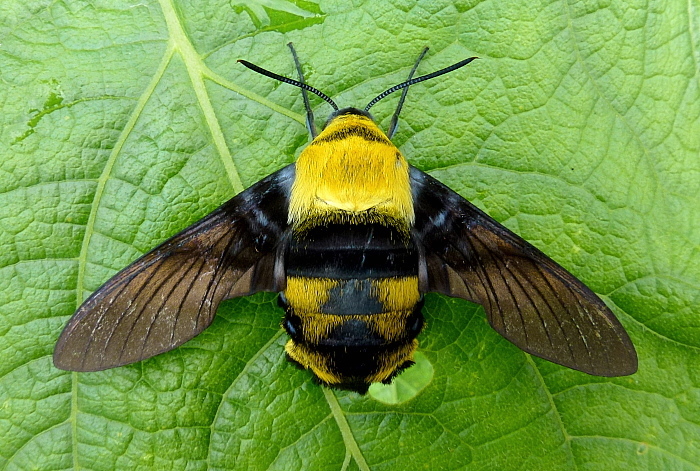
x=171, y=294
x=528, y=298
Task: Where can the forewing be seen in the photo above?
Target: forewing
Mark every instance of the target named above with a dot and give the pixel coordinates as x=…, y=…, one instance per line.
x=171, y=294
x=528, y=298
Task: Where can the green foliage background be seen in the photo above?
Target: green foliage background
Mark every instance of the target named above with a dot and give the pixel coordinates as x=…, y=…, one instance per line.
x=579, y=128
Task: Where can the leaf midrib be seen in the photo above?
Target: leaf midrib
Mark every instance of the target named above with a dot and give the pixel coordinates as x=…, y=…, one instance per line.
x=90, y=226
x=348, y=437
x=197, y=71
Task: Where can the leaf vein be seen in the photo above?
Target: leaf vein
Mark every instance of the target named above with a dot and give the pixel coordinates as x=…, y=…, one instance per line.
x=345, y=430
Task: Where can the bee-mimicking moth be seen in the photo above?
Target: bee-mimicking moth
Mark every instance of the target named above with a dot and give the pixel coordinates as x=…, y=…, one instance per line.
x=352, y=237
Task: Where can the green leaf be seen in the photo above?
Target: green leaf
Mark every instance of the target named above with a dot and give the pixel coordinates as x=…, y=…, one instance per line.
x=406, y=385
x=125, y=121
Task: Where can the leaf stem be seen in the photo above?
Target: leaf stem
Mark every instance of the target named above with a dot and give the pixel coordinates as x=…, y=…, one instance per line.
x=197, y=70
x=345, y=431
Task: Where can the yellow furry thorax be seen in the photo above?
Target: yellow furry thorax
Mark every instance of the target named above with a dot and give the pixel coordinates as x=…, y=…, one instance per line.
x=351, y=173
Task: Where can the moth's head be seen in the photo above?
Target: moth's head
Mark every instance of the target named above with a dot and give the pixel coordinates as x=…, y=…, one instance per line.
x=348, y=113
x=354, y=351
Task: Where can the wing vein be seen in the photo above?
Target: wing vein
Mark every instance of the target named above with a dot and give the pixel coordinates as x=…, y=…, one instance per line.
x=225, y=257
x=163, y=301
x=125, y=284
x=513, y=298
x=578, y=302
x=138, y=312
x=530, y=299
x=181, y=304
x=482, y=273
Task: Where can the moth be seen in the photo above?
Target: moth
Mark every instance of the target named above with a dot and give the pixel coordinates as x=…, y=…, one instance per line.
x=351, y=237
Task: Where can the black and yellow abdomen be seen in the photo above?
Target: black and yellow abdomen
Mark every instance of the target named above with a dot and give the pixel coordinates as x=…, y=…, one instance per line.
x=352, y=298
x=352, y=302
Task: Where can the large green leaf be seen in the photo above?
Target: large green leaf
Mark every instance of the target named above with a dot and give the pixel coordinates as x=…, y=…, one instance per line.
x=579, y=128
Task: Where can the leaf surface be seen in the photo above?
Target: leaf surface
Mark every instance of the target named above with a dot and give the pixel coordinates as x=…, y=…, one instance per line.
x=579, y=128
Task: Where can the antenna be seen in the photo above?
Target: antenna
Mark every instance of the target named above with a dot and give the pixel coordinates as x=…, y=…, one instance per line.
x=281, y=78
x=395, y=118
x=309, y=113
x=310, y=124
x=422, y=78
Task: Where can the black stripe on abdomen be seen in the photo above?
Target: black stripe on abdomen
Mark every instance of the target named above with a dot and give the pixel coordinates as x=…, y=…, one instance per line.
x=351, y=251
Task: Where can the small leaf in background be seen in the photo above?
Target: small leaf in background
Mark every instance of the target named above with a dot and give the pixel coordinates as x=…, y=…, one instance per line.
x=125, y=121
x=279, y=15
x=407, y=385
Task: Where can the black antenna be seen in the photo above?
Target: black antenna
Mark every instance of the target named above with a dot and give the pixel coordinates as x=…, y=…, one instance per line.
x=310, y=124
x=303, y=86
x=408, y=83
x=395, y=118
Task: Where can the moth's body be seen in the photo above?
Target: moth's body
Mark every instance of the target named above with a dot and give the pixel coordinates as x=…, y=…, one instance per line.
x=351, y=236
x=352, y=296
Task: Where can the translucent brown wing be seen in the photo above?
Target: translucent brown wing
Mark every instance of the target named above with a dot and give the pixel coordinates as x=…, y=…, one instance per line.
x=529, y=299
x=171, y=294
